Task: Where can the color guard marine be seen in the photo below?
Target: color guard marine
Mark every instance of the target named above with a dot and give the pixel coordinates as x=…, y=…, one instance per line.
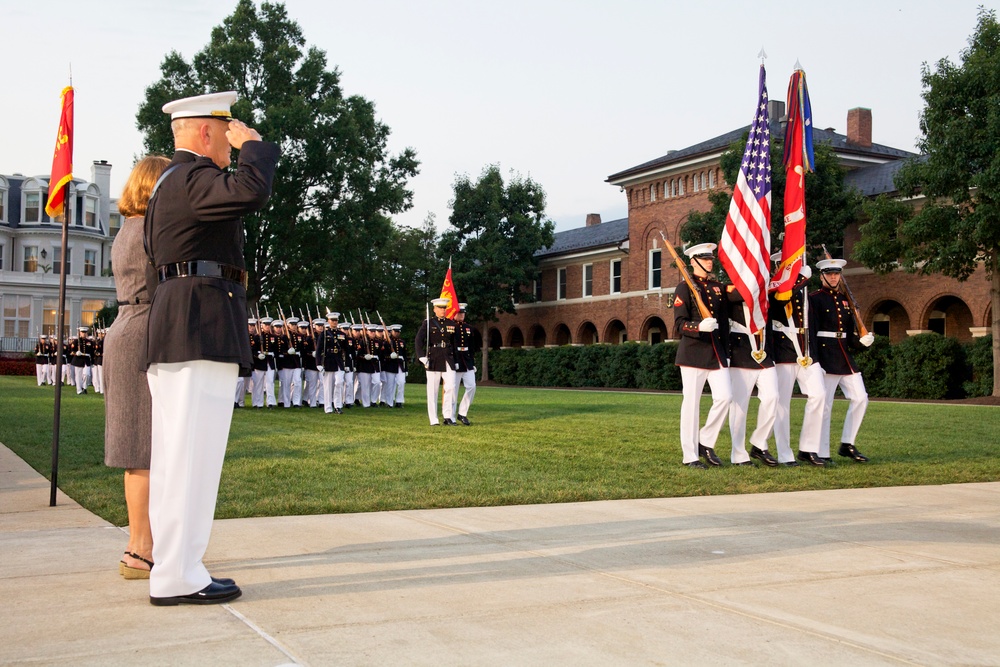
x=702, y=356
x=435, y=347
x=467, y=343
x=834, y=332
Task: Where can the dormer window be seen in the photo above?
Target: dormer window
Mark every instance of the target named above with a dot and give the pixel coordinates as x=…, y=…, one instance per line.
x=89, y=212
x=32, y=206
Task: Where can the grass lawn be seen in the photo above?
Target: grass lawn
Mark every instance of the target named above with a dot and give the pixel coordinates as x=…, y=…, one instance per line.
x=525, y=446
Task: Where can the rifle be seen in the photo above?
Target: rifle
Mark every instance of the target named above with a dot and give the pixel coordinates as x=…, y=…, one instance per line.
x=702, y=308
x=850, y=297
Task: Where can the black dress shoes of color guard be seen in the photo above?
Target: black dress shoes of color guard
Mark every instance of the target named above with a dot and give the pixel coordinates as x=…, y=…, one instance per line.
x=709, y=455
x=812, y=458
x=850, y=451
x=464, y=420
x=763, y=456
x=214, y=593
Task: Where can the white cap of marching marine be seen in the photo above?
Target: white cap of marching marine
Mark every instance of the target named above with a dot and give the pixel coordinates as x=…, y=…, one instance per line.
x=831, y=265
x=213, y=105
x=251, y=320
x=776, y=257
x=440, y=302
x=700, y=250
x=332, y=315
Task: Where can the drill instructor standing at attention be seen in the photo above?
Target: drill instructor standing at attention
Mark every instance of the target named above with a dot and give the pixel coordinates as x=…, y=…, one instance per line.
x=196, y=344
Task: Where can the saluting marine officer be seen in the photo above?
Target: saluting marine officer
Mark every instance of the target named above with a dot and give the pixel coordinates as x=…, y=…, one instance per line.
x=834, y=333
x=196, y=344
x=702, y=356
x=435, y=348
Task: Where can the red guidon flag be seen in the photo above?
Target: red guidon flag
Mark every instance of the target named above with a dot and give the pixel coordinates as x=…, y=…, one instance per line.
x=448, y=292
x=62, y=159
x=745, y=248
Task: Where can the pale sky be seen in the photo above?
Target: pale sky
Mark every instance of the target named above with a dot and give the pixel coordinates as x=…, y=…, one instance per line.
x=567, y=92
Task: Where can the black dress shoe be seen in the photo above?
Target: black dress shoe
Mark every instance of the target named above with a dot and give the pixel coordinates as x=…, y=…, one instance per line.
x=763, y=456
x=214, y=593
x=850, y=451
x=225, y=581
x=811, y=458
x=746, y=463
x=448, y=422
x=827, y=460
x=709, y=455
x=464, y=420
x=697, y=464
x=791, y=464
x=338, y=411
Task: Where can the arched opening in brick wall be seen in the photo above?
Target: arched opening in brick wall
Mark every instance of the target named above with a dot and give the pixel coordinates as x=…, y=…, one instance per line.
x=889, y=318
x=537, y=336
x=563, y=336
x=515, y=338
x=654, y=331
x=587, y=334
x=496, y=340
x=949, y=316
x=615, y=332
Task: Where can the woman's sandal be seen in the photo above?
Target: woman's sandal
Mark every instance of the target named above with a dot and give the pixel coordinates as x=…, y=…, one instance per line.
x=135, y=572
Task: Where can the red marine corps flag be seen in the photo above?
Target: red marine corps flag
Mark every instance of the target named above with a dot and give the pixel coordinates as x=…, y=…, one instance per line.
x=745, y=248
x=798, y=159
x=448, y=292
x=62, y=159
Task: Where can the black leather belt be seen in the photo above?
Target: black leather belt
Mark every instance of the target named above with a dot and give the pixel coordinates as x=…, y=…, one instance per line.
x=202, y=268
x=132, y=302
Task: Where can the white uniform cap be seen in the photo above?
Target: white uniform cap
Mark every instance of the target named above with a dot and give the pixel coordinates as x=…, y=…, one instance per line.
x=831, y=265
x=266, y=320
x=251, y=320
x=462, y=307
x=331, y=315
x=82, y=329
x=43, y=336
x=277, y=323
x=776, y=257
x=357, y=327
x=213, y=105
x=291, y=320
x=395, y=327
x=319, y=322
x=700, y=249
x=440, y=302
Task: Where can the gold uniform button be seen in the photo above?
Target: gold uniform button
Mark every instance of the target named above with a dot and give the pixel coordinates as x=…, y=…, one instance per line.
x=230, y=295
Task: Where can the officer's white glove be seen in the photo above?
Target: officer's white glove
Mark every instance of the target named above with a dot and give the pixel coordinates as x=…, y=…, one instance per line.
x=867, y=340
x=423, y=360
x=368, y=357
x=291, y=350
x=474, y=369
x=316, y=354
x=394, y=356
x=406, y=374
x=708, y=324
x=261, y=356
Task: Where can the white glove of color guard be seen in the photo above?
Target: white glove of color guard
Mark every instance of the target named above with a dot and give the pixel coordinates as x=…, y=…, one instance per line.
x=708, y=324
x=423, y=360
x=394, y=356
x=867, y=340
x=368, y=357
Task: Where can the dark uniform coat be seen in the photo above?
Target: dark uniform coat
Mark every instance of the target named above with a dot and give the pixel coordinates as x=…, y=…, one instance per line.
x=438, y=345
x=829, y=310
x=81, y=352
x=196, y=214
x=777, y=311
x=466, y=346
x=740, y=352
x=699, y=349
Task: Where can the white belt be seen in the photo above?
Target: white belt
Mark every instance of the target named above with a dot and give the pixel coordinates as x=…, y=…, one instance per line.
x=788, y=331
x=831, y=334
x=463, y=349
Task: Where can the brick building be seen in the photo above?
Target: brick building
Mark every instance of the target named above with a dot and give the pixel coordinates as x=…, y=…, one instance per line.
x=613, y=281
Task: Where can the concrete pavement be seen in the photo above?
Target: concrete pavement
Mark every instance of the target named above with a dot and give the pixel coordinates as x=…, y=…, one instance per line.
x=889, y=576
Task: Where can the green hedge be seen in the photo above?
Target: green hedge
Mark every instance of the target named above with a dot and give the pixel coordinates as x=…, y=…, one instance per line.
x=924, y=366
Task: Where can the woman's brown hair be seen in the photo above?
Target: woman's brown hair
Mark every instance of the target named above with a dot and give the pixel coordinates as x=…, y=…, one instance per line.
x=139, y=185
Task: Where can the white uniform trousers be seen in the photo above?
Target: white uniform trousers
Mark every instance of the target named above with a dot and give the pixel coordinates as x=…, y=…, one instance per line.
x=811, y=384
x=81, y=378
x=240, y=396
x=693, y=381
x=192, y=411
x=434, y=380
x=389, y=388
x=376, y=388
x=349, y=388
x=854, y=391
x=69, y=374
x=321, y=387
x=52, y=374
x=257, y=396
x=310, y=387
x=97, y=377
x=333, y=390
x=742, y=381
x=269, y=375
x=400, y=387
x=296, y=389
x=468, y=378
x=41, y=373
x=364, y=389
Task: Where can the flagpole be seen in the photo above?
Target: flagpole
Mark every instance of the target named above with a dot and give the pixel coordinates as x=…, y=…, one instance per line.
x=59, y=350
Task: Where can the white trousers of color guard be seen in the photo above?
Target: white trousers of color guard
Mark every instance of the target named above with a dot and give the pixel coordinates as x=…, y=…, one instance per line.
x=192, y=411
x=693, y=380
x=854, y=391
x=742, y=381
x=811, y=384
x=434, y=381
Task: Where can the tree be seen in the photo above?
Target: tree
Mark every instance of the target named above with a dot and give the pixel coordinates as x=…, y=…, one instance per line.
x=327, y=223
x=830, y=207
x=958, y=227
x=496, y=229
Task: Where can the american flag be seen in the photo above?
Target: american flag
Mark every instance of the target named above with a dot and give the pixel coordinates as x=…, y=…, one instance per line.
x=745, y=249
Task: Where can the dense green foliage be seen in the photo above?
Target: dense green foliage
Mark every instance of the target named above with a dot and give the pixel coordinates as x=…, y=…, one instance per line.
x=525, y=446
x=326, y=233
x=927, y=366
x=956, y=228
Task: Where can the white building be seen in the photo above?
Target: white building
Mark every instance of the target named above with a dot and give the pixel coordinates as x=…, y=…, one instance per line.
x=31, y=253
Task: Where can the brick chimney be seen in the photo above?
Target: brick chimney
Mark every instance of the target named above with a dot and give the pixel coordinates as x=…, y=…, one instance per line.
x=593, y=219
x=859, y=127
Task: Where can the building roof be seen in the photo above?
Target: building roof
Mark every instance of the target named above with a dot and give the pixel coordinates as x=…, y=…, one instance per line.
x=723, y=141
x=877, y=179
x=609, y=233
